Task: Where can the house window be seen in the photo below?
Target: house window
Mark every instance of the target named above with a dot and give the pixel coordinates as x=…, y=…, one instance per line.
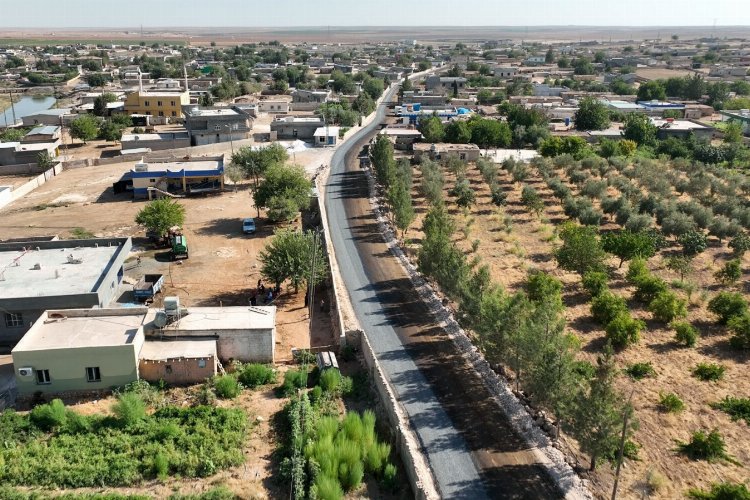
x=152, y=181
x=93, y=374
x=13, y=320
x=174, y=113
x=158, y=103
x=161, y=113
x=217, y=127
x=172, y=103
x=168, y=368
x=42, y=377
x=462, y=156
x=201, y=363
x=147, y=103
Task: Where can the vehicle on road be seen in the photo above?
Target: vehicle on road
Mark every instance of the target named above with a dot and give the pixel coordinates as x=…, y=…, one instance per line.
x=147, y=287
x=179, y=245
x=248, y=226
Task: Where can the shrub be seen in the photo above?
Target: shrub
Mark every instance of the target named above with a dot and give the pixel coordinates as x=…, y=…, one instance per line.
x=709, y=372
x=671, y=402
x=636, y=270
x=463, y=193
x=595, y=282
x=161, y=466
x=685, y=333
x=730, y=273
x=606, y=306
x=129, y=408
x=740, y=327
x=499, y=198
x=638, y=371
x=648, y=287
x=390, y=478
x=705, y=446
x=205, y=395
x=721, y=491
x=330, y=380
x=327, y=488
x=227, y=387
x=255, y=375
x=666, y=307
x=639, y=222
x=740, y=244
x=624, y=330
x=544, y=288
x=677, y=223
x=737, y=408
x=590, y=216
x=727, y=305
x=293, y=380
x=594, y=188
x=721, y=227
x=49, y=416
x=693, y=242
x=655, y=481
x=531, y=200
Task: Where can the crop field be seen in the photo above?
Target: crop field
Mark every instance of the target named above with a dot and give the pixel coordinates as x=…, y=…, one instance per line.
x=649, y=260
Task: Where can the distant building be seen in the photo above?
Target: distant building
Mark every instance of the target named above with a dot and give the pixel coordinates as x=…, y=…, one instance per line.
x=441, y=151
x=155, y=141
x=445, y=84
x=318, y=96
x=40, y=275
x=623, y=106
x=19, y=153
x=45, y=133
x=214, y=125
x=657, y=108
x=178, y=362
x=273, y=106
x=742, y=116
x=505, y=71
x=681, y=128
x=164, y=104
x=48, y=117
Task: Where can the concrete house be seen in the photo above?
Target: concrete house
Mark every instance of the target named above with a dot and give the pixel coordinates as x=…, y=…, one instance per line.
x=316, y=96
x=79, y=349
x=273, y=106
x=441, y=151
x=505, y=71
x=178, y=361
x=296, y=127
x=326, y=136
x=445, y=84
x=201, y=174
x=45, y=133
x=41, y=275
x=164, y=104
x=214, y=125
x=48, y=117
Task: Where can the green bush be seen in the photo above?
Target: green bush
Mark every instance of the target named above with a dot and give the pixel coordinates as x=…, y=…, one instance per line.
x=740, y=328
x=727, y=305
x=693, y=242
x=705, y=446
x=636, y=270
x=330, y=380
x=607, y=306
x=227, y=387
x=730, y=273
x=671, y=402
x=129, y=408
x=638, y=371
x=737, y=408
x=327, y=488
x=543, y=288
x=161, y=466
x=667, y=306
x=293, y=380
x=685, y=333
x=624, y=330
x=49, y=416
x=708, y=372
x=255, y=375
x=595, y=282
x=390, y=478
x=721, y=491
x=648, y=287
x=193, y=441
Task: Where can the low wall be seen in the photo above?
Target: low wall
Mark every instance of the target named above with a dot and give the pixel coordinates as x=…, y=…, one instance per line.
x=21, y=168
x=31, y=185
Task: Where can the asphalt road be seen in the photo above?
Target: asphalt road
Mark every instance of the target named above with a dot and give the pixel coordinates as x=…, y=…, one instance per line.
x=470, y=446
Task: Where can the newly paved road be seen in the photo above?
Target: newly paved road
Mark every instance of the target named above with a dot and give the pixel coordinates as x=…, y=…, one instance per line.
x=470, y=446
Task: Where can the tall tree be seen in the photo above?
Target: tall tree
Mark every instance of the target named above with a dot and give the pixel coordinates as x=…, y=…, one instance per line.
x=295, y=256
x=432, y=129
x=591, y=115
x=160, y=215
x=284, y=191
x=255, y=162
x=85, y=128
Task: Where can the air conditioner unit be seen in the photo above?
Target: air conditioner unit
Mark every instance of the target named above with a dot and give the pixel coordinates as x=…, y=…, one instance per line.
x=26, y=371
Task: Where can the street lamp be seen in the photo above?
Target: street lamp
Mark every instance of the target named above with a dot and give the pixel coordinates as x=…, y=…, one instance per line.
x=231, y=139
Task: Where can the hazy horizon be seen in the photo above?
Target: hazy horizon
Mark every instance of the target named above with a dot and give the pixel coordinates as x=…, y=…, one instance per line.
x=253, y=14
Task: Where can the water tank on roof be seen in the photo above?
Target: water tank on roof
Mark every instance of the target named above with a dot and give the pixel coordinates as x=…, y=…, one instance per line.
x=171, y=306
x=160, y=320
x=141, y=167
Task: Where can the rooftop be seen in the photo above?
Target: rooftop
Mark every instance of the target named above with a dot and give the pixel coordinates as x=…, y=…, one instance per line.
x=74, y=328
x=326, y=131
x=44, y=130
x=222, y=318
x=175, y=349
x=179, y=166
x=56, y=276
x=678, y=124
x=213, y=112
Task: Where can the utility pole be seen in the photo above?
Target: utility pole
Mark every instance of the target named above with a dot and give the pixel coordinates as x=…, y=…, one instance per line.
x=12, y=107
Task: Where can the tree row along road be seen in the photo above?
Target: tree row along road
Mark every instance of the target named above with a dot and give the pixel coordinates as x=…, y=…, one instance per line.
x=470, y=445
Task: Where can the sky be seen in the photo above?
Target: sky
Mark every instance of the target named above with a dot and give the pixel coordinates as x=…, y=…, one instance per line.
x=288, y=13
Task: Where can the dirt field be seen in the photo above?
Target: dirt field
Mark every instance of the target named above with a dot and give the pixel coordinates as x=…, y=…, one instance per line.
x=512, y=241
x=223, y=265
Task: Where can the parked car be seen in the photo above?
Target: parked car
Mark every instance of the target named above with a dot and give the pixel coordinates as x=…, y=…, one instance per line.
x=248, y=226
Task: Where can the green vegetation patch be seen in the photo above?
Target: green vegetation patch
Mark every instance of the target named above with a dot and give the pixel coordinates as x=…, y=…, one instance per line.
x=54, y=446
